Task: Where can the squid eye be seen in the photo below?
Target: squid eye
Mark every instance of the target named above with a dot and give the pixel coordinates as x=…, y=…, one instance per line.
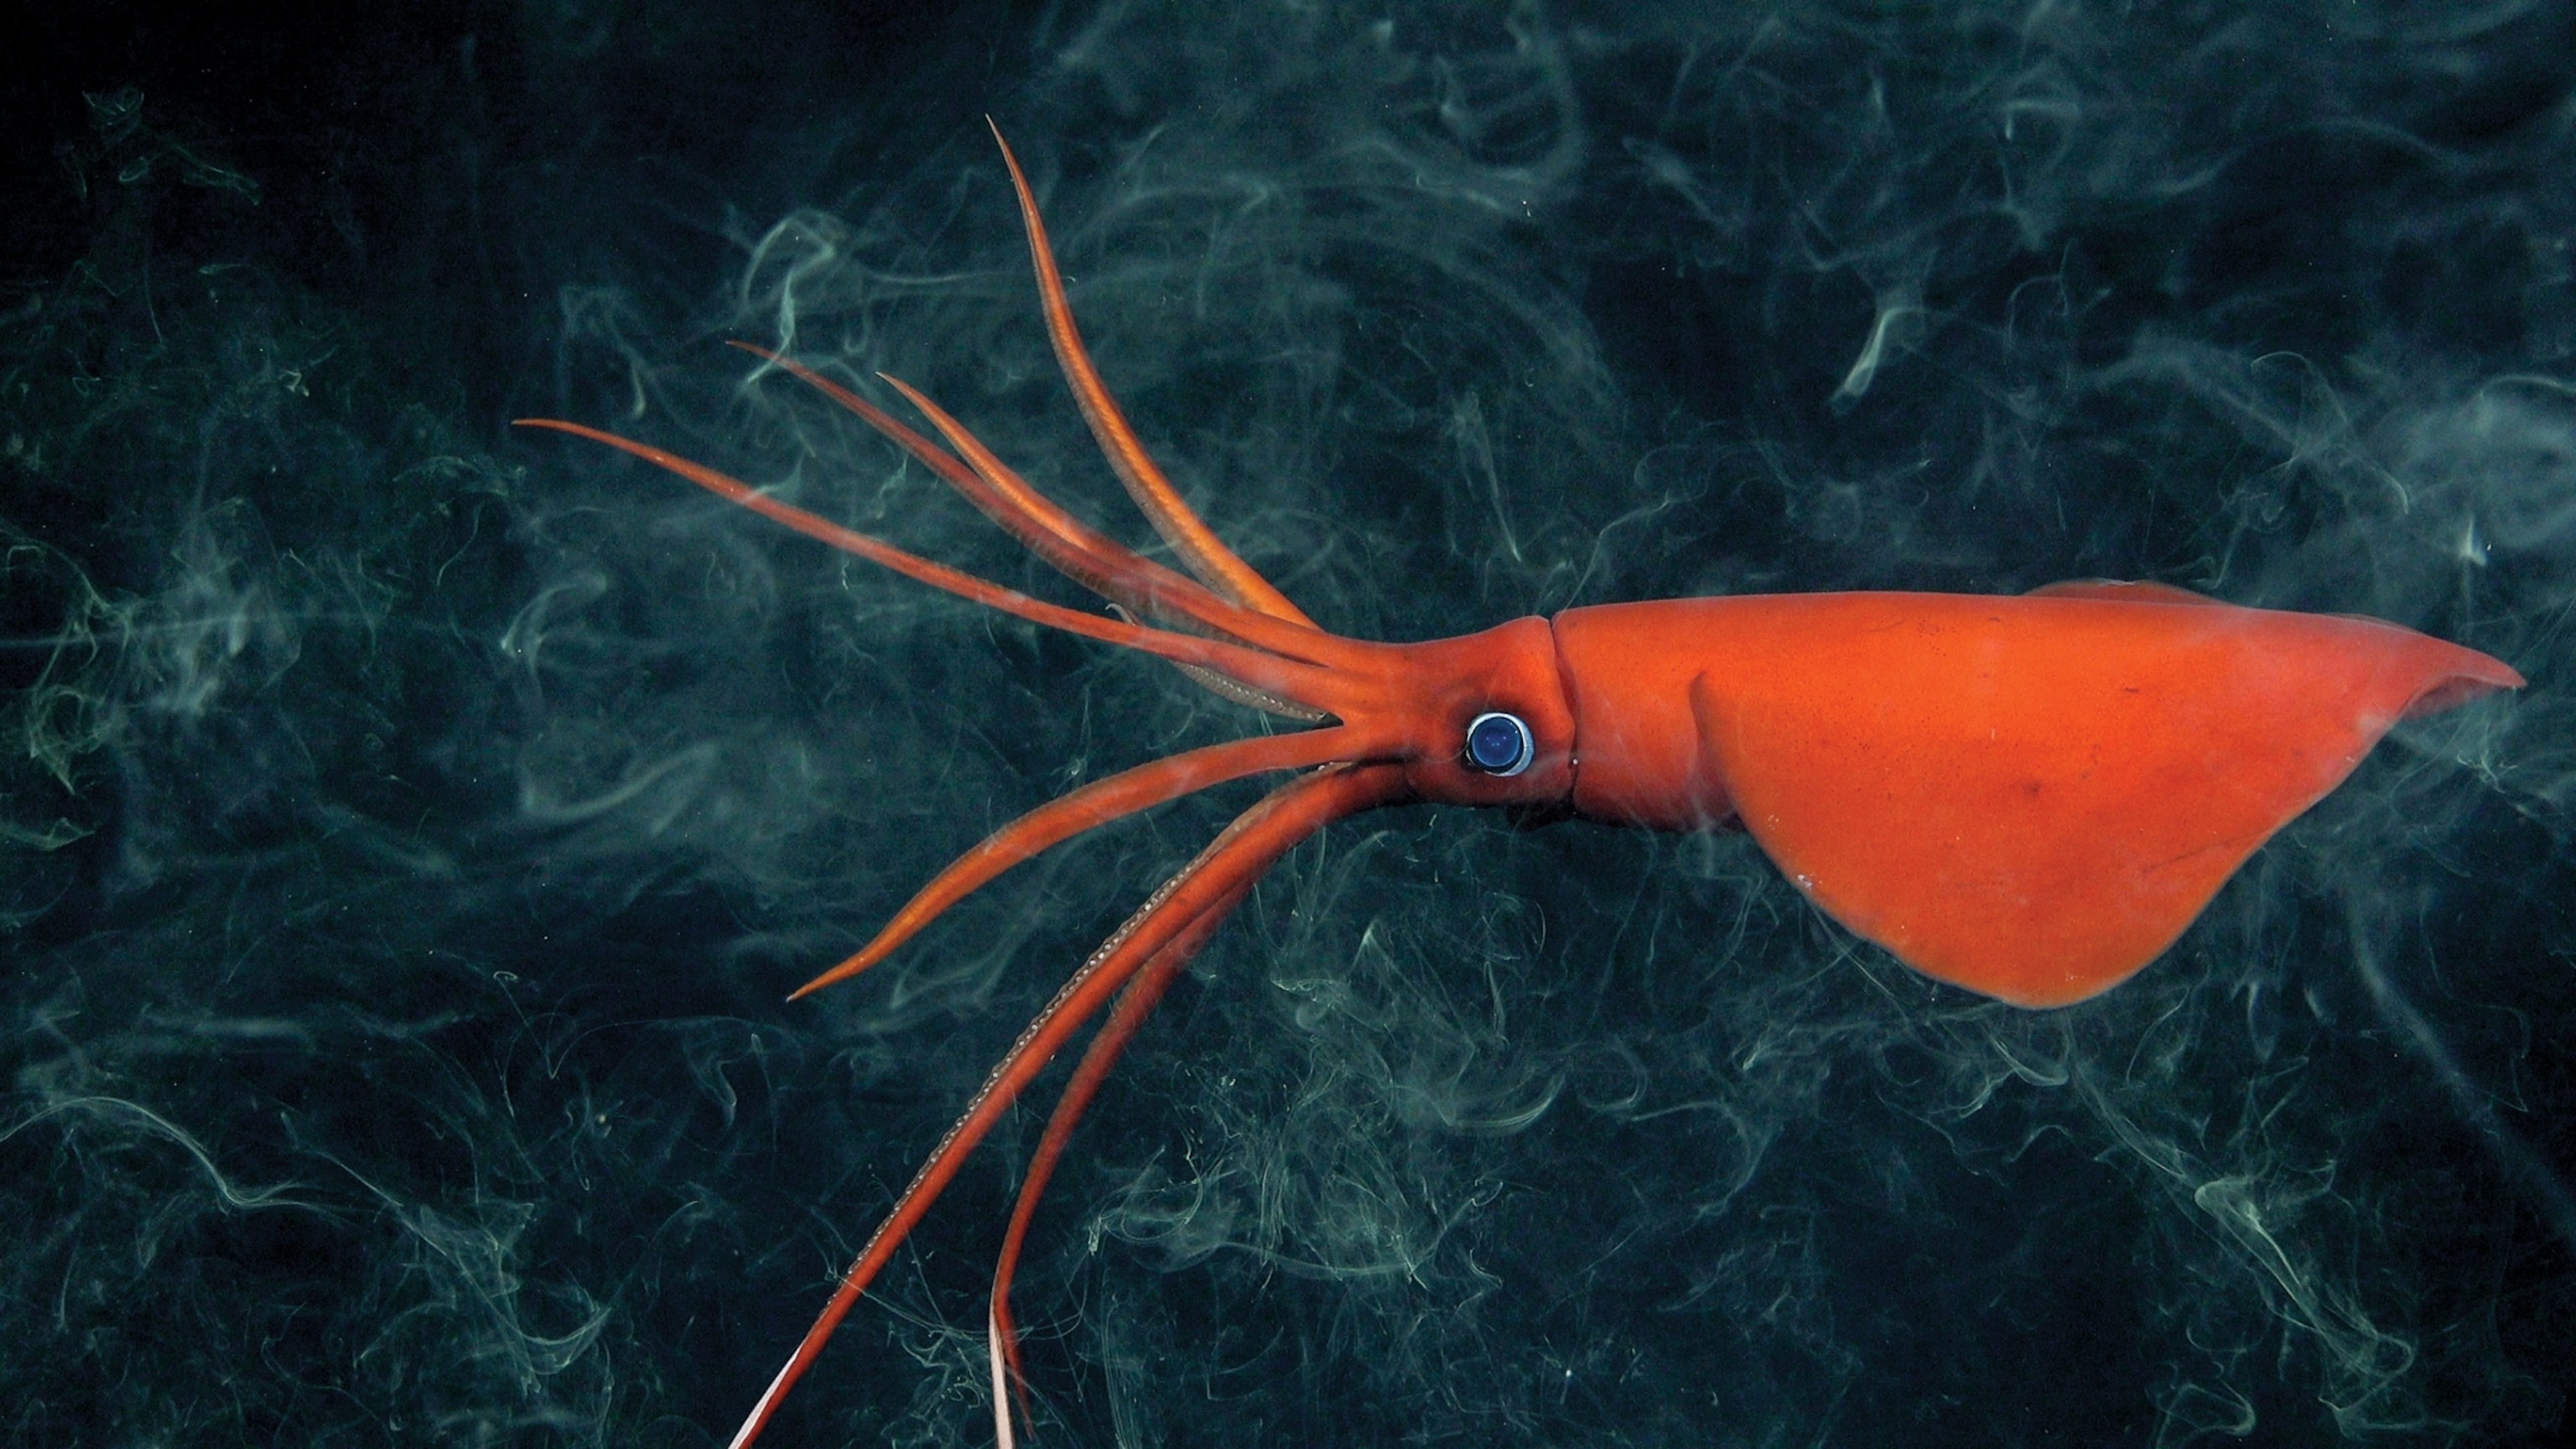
x=1499, y=744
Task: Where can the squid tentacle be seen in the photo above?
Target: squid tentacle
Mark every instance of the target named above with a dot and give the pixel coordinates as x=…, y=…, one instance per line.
x=1239, y=854
x=1206, y=554
x=1249, y=697
x=1081, y=553
x=1295, y=639
x=1136, y=1002
x=1312, y=684
x=1130, y=581
x=1098, y=803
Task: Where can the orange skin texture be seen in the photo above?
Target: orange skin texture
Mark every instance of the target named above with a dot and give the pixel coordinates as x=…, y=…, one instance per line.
x=2030, y=797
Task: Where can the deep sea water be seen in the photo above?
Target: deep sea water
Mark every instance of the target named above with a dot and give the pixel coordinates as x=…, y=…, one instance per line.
x=412, y=826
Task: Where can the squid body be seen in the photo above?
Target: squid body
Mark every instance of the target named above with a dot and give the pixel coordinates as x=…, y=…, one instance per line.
x=2030, y=797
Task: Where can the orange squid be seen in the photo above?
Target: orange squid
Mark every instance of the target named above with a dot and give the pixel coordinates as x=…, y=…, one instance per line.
x=2029, y=797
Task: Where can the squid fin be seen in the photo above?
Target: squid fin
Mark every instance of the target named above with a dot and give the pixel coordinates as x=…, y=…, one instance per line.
x=2126, y=591
x=2032, y=798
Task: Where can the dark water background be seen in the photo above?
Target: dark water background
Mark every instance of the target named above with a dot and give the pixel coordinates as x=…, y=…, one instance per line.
x=411, y=826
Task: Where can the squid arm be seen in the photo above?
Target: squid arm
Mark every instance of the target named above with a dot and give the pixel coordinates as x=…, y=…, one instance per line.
x=1161, y=934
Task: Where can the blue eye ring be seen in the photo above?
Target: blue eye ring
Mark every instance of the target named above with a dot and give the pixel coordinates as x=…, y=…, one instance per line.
x=1499, y=744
